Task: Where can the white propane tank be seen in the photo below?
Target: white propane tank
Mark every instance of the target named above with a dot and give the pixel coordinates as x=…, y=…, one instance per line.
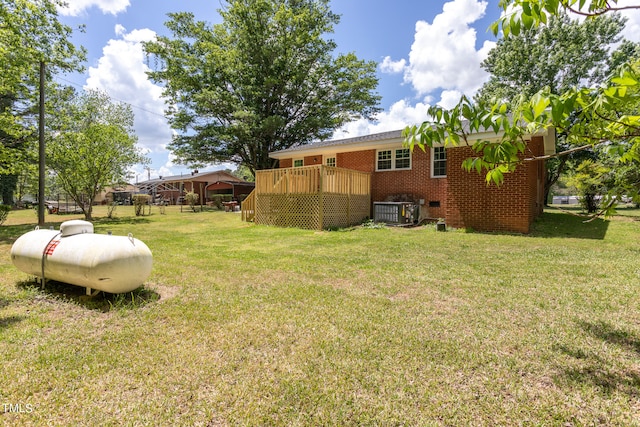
x=77, y=256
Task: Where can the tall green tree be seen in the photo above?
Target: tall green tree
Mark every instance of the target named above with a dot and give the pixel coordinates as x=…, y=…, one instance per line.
x=264, y=79
x=589, y=116
x=244, y=173
x=27, y=183
x=626, y=180
x=628, y=52
x=30, y=33
x=563, y=54
x=93, y=145
x=560, y=55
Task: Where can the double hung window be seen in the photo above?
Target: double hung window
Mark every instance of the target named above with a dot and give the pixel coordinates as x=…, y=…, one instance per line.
x=394, y=159
x=438, y=162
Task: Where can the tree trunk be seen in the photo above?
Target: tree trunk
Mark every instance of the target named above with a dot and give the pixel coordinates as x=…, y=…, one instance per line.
x=553, y=175
x=8, y=186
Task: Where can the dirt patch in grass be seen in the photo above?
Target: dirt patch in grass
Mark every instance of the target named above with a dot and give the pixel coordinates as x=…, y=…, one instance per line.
x=626, y=218
x=164, y=292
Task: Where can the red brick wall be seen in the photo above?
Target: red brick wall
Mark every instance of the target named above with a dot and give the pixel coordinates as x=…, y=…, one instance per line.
x=312, y=160
x=465, y=199
x=307, y=161
x=511, y=207
x=286, y=163
x=414, y=184
x=364, y=161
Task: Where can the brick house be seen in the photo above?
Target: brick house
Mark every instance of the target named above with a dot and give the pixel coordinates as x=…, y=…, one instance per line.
x=434, y=179
x=171, y=189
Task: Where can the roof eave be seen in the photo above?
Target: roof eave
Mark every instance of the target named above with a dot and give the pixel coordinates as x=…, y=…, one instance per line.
x=359, y=144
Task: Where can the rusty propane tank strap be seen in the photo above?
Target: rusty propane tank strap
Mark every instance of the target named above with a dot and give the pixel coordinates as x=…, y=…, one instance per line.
x=48, y=250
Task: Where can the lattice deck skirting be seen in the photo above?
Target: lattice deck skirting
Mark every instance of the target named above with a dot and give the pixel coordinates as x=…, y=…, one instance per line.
x=312, y=197
x=311, y=211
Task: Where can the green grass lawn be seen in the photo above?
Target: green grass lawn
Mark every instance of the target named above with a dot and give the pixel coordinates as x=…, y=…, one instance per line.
x=250, y=325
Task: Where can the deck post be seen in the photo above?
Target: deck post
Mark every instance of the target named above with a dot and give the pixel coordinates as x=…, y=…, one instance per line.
x=321, y=201
x=349, y=191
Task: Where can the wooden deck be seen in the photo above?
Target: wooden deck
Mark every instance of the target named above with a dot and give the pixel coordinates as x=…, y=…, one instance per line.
x=311, y=197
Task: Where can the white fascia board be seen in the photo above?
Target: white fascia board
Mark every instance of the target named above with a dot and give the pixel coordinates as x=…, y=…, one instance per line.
x=550, y=142
x=339, y=148
x=381, y=144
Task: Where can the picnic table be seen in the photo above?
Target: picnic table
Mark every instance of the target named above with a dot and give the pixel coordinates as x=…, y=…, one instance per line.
x=230, y=206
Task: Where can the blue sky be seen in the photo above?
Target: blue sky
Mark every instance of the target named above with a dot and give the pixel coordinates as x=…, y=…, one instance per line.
x=428, y=52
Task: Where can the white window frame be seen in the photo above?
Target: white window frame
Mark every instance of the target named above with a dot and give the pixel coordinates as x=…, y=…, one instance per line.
x=405, y=155
x=390, y=160
x=433, y=162
x=293, y=162
x=394, y=158
x=329, y=157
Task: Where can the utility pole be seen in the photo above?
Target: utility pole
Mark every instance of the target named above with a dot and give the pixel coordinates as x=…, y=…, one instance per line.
x=41, y=150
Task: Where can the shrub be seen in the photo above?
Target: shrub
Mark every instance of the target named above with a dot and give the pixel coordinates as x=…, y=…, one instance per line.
x=192, y=198
x=218, y=199
x=139, y=202
x=590, y=179
x=111, y=209
x=4, y=213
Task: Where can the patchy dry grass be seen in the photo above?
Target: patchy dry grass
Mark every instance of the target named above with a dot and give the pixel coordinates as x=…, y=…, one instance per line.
x=248, y=325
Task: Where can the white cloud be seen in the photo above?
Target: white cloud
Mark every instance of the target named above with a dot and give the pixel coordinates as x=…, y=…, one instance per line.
x=400, y=115
x=443, y=54
x=120, y=30
x=121, y=73
x=443, y=60
x=632, y=29
x=392, y=67
x=163, y=171
x=449, y=98
x=78, y=7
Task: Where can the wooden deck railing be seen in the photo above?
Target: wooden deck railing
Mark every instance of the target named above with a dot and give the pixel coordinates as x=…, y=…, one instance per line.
x=312, y=180
x=248, y=207
x=312, y=197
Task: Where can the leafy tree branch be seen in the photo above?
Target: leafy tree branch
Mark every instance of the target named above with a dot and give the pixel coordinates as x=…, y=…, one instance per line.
x=605, y=117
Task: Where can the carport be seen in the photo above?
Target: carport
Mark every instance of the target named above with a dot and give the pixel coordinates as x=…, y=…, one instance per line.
x=237, y=189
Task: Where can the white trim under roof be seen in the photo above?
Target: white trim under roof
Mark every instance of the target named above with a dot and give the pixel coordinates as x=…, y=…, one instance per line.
x=379, y=141
x=333, y=147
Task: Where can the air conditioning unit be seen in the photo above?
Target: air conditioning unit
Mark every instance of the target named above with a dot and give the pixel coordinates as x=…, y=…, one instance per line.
x=396, y=213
